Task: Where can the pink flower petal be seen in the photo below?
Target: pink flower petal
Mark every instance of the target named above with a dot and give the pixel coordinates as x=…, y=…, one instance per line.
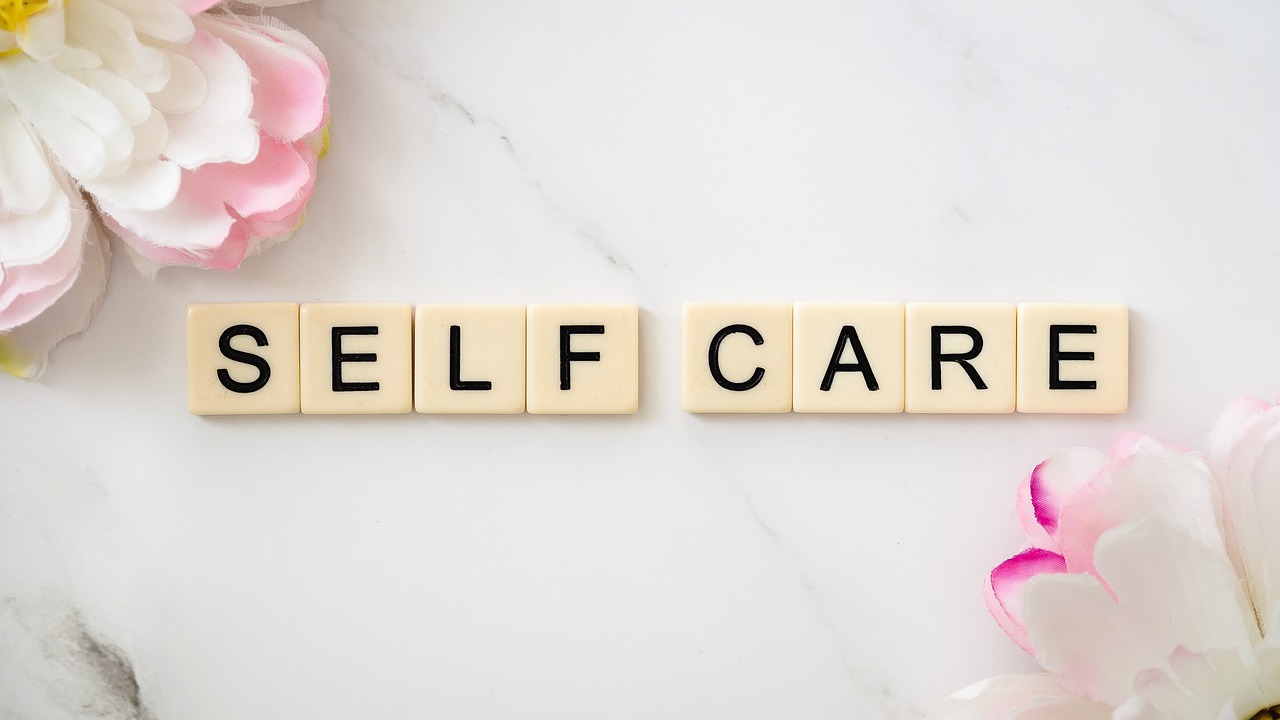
x=1006, y=584
x=1049, y=486
x=289, y=88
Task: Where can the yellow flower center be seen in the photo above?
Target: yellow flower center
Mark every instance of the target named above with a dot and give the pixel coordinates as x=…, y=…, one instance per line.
x=14, y=13
x=1271, y=713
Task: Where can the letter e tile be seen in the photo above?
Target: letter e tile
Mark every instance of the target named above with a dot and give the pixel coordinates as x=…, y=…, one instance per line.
x=357, y=359
x=1073, y=358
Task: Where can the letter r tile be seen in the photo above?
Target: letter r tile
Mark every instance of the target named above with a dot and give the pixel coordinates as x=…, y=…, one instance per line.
x=357, y=359
x=242, y=358
x=961, y=358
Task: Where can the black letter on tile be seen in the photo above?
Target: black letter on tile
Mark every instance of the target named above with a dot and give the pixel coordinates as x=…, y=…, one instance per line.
x=849, y=336
x=264, y=368
x=713, y=358
x=938, y=357
x=455, y=364
x=340, y=357
x=1056, y=356
x=567, y=355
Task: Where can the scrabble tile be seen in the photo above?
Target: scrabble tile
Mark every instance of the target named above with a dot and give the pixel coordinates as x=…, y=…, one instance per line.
x=849, y=358
x=242, y=359
x=737, y=357
x=357, y=359
x=469, y=359
x=583, y=359
x=1073, y=358
x=961, y=358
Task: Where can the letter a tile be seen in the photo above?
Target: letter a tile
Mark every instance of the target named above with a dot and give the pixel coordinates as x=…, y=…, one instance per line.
x=849, y=358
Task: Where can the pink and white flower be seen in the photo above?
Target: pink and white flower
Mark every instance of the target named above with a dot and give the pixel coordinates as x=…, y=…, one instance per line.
x=1149, y=588
x=189, y=130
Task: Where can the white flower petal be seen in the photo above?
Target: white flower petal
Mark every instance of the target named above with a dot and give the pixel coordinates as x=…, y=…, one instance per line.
x=25, y=180
x=1174, y=590
x=185, y=223
x=29, y=289
x=110, y=34
x=1154, y=479
x=1012, y=696
x=186, y=88
x=84, y=129
x=24, y=351
x=30, y=238
x=1170, y=593
x=160, y=20
x=1082, y=638
x=74, y=58
x=219, y=129
x=1246, y=452
x=151, y=137
x=46, y=33
x=132, y=103
x=147, y=185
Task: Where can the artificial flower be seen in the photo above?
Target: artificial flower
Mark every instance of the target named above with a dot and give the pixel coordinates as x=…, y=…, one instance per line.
x=1149, y=588
x=189, y=130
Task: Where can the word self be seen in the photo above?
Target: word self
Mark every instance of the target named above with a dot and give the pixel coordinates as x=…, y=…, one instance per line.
x=267, y=358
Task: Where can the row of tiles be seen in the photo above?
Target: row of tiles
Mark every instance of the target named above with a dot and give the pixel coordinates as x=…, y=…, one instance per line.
x=270, y=358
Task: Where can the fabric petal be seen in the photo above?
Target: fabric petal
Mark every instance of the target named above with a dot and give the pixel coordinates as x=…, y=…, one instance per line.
x=24, y=351
x=160, y=20
x=1171, y=593
x=25, y=180
x=219, y=128
x=1012, y=696
x=1169, y=483
x=289, y=88
x=1047, y=489
x=82, y=127
x=46, y=33
x=110, y=34
x=1006, y=584
x=1245, y=451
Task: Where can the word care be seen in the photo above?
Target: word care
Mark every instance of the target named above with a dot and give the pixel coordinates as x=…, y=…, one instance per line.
x=268, y=358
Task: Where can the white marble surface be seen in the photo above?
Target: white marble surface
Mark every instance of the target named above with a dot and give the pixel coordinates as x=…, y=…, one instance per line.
x=158, y=565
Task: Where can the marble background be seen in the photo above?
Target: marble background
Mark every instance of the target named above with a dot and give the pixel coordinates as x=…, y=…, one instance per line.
x=157, y=565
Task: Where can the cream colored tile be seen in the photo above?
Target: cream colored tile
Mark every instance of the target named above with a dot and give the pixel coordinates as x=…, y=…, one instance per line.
x=469, y=359
x=737, y=357
x=849, y=358
x=242, y=359
x=961, y=358
x=357, y=359
x=1073, y=358
x=583, y=359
